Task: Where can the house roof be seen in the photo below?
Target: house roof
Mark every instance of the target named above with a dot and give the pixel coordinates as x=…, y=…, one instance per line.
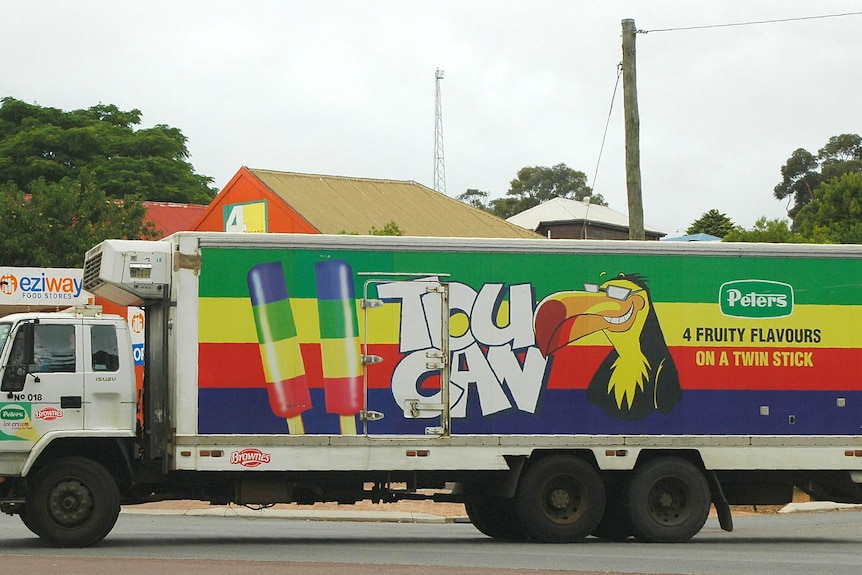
x=170, y=217
x=337, y=204
x=565, y=210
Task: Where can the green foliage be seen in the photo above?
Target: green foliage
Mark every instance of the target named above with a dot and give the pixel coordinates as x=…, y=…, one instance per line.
x=801, y=179
x=52, y=224
x=775, y=231
x=389, y=229
x=475, y=198
x=98, y=145
x=712, y=222
x=538, y=184
x=835, y=215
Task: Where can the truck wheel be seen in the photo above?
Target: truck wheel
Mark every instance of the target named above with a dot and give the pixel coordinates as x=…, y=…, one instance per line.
x=28, y=522
x=560, y=499
x=74, y=503
x=669, y=501
x=495, y=517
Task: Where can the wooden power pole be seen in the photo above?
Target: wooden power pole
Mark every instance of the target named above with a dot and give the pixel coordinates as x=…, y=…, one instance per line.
x=633, y=154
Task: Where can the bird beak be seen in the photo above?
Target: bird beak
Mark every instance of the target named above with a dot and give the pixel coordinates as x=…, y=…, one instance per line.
x=564, y=317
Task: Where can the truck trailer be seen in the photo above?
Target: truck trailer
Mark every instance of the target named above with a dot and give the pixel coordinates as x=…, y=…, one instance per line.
x=559, y=389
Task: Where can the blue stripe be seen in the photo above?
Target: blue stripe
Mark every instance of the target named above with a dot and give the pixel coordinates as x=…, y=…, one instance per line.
x=563, y=412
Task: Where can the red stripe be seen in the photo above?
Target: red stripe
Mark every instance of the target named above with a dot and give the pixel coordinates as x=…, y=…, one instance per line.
x=238, y=365
x=832, y=368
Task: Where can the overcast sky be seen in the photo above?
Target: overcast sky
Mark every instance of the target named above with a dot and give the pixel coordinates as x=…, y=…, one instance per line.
x=346, y=87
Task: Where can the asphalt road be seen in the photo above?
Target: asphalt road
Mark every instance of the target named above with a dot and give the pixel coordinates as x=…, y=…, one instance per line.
x=792, y=544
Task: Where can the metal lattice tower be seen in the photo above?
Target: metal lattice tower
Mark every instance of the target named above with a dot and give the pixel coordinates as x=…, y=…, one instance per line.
x=439, y=164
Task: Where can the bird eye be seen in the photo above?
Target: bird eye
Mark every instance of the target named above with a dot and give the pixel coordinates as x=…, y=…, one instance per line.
x=617, y=292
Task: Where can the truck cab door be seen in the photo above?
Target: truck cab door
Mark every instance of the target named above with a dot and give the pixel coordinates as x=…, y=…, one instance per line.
x=52, y=395
x=109, y=384
x=406, y=331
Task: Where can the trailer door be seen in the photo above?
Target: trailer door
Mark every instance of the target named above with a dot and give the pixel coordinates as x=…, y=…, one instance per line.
x=405, y=353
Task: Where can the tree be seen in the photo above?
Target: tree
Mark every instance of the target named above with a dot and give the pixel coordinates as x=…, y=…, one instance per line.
x=801, y=178
x=835, y=215
x=390, y=228
x=54, y=224
x=100, y=145
x=712, y=222
x=538, y=184
x=475, y=198
x=775, y=231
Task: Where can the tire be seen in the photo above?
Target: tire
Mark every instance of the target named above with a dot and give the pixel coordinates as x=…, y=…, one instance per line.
x=495, y=517
x=668, y=501
x=560, y=499
x=616, y=523
x=28, y=521
x=74, y=502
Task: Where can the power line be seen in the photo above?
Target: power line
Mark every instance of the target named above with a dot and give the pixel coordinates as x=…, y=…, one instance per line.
x=602, y=147
x=751, y=23
x=607, y=123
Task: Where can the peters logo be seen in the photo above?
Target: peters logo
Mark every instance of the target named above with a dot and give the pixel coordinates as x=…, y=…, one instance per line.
x=48, y=414
x=250, y=457
x=758, y=299
x=12, y=413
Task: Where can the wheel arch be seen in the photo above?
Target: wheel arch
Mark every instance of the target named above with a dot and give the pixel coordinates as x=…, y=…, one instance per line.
x=112, y=453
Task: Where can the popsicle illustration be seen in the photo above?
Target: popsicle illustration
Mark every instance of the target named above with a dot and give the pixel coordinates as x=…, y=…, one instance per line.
x=283, y=367
x=340, y=347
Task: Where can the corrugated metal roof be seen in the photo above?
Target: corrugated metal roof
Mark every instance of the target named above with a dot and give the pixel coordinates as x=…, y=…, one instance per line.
x=336, y=204
x=170, y=217
x=558, y=210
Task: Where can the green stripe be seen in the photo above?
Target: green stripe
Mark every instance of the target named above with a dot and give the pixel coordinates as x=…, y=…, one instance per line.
x=333, y=323
x=685, y=279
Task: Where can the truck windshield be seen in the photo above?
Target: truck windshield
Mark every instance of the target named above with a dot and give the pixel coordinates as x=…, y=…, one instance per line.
x=4, y=333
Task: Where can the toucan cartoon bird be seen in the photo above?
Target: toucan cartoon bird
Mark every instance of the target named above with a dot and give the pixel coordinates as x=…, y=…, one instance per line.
x=639, y=375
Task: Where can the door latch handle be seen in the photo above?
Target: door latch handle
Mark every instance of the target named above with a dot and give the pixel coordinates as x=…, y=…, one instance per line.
x=71, y=402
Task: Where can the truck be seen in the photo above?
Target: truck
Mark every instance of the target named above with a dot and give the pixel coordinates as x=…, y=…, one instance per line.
x=559, y=389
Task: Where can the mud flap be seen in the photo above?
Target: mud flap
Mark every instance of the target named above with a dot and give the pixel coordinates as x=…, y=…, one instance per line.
x=722, y=507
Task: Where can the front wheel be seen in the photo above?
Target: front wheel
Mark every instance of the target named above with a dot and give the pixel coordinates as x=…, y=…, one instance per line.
x=560, y=499
x=74, y=502
x=669, y=501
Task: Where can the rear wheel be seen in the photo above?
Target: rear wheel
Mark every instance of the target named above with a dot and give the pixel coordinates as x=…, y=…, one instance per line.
x=560, y=499
x=495, y=517
x=669, y=501
x=74, y=502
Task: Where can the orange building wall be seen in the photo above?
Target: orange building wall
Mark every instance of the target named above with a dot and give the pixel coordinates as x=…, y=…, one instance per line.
x=244, y=187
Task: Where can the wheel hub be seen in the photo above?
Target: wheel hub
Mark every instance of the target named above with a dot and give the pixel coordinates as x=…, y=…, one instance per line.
x=70, y=503
x=559, y=499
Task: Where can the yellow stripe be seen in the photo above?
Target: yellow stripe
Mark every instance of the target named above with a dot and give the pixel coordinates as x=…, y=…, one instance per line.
x=837, y=325
x=225, y=320
x=230, y=320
